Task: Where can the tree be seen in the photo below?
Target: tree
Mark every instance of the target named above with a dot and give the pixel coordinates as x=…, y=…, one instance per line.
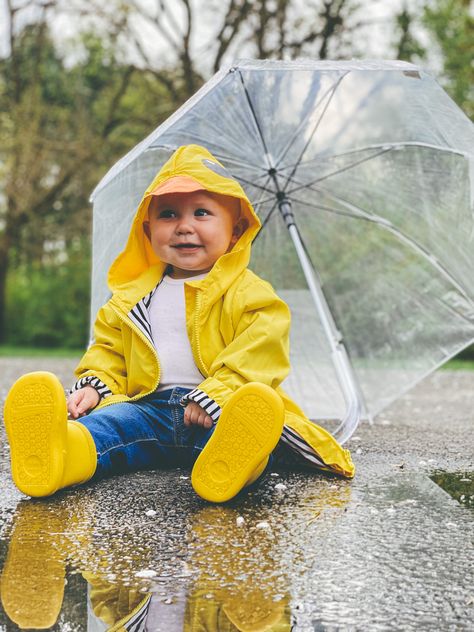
x=61, y=125
x=408, y=46
x=452, y=24
x=69, y=109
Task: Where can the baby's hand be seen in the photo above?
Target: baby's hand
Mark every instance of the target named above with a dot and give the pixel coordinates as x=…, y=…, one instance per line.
x=79, y=402
x=194, y=414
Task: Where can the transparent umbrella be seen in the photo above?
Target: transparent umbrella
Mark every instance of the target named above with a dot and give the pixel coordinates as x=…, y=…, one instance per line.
x=362, y=174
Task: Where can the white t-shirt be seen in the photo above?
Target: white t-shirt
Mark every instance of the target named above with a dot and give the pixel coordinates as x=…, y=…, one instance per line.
x=167, y=313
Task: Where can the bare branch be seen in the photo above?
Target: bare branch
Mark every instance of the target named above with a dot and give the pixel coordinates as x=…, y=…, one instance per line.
x=263, y=15
x=332, y=22
x=281, y=16
x=188, y=70
x=159, y=75
x=160, y=26
x=174, y=25
x=115, y=101
x=235, y=16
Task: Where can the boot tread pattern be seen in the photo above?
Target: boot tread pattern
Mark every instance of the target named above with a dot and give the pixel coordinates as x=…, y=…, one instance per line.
x=34, y=408
x=30, y=466
x=248, y=430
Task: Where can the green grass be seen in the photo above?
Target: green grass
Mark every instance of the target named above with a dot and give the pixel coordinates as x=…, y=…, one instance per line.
x=459, y=365
x=7, y=351
x=32, y=352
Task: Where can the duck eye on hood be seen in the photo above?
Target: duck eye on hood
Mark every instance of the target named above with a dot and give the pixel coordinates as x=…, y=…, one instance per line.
x=217, y=168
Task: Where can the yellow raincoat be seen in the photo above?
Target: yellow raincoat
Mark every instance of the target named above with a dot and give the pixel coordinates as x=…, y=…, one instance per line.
x=237, y=326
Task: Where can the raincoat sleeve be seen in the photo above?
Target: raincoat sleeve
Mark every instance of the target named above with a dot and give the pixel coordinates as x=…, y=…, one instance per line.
x=119, y=607
x=103, y=364
x=258, y=350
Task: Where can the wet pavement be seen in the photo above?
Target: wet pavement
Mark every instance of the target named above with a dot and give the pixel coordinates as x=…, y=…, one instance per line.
x=390, y=550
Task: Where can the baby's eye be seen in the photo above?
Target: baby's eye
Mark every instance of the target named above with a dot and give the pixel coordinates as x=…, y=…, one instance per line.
x=200, y=212
x=166, y=213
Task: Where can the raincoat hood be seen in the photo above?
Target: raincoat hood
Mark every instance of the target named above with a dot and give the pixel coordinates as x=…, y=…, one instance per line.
x=188, y=163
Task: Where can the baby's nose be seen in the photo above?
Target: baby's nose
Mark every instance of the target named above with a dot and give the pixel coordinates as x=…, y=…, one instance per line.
x=184, y=226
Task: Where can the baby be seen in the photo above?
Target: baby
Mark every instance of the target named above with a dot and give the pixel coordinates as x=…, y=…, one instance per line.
x=187, y=360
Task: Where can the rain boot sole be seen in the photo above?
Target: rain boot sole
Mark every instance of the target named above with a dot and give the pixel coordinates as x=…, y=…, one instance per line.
x=35, y=421
x=32, y=582
x=248, y=429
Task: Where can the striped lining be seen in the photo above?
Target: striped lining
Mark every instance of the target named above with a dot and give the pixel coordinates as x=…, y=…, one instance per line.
x=139, y=315
x=211, y=407
x=137, y=622
x=91, y=380
x=294, y=441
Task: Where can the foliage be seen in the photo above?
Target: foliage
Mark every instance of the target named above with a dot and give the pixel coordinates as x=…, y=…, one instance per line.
x=452, y=23
x=61, y=125
x=460, y=485
x=69, y=111
x=48, y=306
x=14, y=351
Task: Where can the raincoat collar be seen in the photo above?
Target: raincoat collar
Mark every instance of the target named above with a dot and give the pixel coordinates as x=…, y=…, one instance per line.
x=138, y=257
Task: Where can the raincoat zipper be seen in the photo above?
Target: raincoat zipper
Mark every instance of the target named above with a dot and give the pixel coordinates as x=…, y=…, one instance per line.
x=147, y=342
x=201, y=365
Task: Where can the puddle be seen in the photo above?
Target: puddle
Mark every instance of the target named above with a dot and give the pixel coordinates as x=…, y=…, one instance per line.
x=303, y=552
x=76, y=563
x=460, y=485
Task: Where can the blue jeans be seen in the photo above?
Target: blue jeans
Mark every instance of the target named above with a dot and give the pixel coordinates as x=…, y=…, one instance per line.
x=146, y=434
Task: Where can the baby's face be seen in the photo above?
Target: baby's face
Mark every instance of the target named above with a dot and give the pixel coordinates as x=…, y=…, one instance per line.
x=190, y=231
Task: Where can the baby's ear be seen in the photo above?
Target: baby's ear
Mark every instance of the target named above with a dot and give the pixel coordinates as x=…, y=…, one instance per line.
x=240, y=228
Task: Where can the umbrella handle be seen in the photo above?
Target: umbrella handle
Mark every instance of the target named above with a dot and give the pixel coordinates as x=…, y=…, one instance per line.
x=342, y=364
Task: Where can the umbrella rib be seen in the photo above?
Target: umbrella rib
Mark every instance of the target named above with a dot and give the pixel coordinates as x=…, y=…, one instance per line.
x=267, y=218
x=328, y=209
x=334, y=173
x=295, y=167
x=265, y=200
x=253, y=184
x=358, y=213
x=383, y=149
x=386, y=146
x=301, y=125
x=245, y=165
x=255, y=119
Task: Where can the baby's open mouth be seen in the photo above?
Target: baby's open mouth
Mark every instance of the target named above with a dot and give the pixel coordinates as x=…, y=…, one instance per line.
x=187, y=246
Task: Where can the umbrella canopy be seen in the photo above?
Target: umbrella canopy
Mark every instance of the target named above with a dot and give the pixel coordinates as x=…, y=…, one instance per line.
x=362, y=174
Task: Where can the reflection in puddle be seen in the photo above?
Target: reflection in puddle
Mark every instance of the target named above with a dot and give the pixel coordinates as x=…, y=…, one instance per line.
x=460, y=485
x=167, y=567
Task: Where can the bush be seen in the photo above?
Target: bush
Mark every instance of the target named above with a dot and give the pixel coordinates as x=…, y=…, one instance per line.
x=48, y=305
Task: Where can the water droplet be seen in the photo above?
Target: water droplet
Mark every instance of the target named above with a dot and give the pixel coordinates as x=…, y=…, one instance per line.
x=263, y=525
x=145, y=574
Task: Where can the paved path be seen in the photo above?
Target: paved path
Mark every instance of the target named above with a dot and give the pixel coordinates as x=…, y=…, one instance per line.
x=388, y=551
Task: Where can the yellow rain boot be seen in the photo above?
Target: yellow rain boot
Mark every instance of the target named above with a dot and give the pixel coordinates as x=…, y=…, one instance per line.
x=246, y=592
x=248, y=429
x=33, y=576
x=257, y=612
x=47, y=451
